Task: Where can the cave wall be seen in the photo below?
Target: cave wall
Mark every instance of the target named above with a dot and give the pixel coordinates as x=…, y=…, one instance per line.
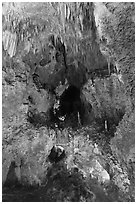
x=108, y=101
x=27, y=42
x=116, y=32
x=94, y=35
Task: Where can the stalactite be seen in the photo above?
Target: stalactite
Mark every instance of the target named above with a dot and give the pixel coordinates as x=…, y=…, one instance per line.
x=10, y=42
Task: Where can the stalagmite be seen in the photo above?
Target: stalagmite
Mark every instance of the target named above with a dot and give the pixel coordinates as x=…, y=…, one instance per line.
x=106, y=127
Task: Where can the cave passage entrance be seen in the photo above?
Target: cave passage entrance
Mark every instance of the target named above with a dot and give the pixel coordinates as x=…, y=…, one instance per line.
x=70, y=106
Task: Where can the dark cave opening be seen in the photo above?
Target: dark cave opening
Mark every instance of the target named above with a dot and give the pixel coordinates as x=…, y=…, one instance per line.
x=70, y=107
x=70, y=101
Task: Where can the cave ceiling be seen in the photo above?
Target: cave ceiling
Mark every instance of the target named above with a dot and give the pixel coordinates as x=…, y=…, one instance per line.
x=29, y=26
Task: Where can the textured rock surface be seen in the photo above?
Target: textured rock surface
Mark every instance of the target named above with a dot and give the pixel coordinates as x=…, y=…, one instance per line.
x=48, y=49
x=119, y=33
x=120, y=42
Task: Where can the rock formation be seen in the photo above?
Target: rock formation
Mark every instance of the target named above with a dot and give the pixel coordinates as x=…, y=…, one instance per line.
x=68, y=75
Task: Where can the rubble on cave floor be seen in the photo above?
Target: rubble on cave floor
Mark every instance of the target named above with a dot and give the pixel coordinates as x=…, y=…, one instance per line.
x=87, y=173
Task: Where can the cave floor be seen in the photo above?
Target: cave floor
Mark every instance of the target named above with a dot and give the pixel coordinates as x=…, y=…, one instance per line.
x=72, y=178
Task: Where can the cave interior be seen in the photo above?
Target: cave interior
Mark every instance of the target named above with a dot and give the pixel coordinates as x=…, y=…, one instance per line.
x=71, y=110
x=68, y=101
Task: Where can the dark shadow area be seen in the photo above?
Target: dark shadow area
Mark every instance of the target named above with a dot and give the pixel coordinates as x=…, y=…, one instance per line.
x=109, y=123
x=70, y=101
x=60, y=185
x=70, y=110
